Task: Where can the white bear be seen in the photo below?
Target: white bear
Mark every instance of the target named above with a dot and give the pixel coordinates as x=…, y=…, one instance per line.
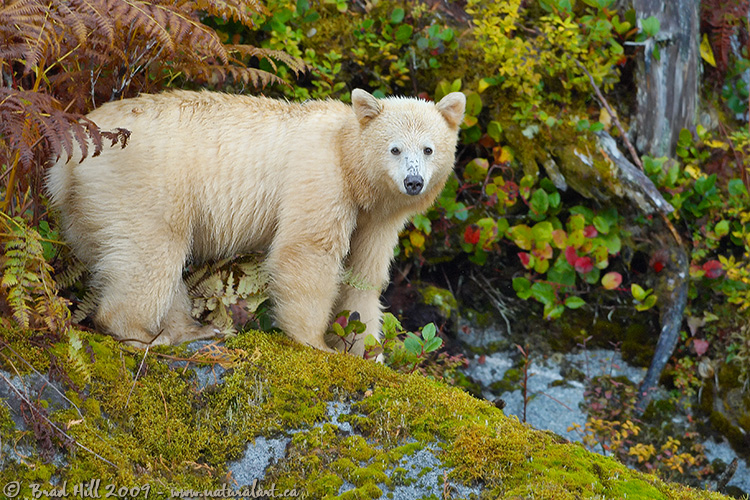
x=320, y=186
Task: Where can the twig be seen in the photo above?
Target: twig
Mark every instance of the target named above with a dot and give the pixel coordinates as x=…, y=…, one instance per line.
x=166, y=410
x=135, y=379
x=52, y=424
x=603, y=102
x=49, y=384
x=494, y=296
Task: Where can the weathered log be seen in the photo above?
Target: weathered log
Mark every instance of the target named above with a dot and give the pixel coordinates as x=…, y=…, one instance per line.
x=642, y=193
x=668, y=72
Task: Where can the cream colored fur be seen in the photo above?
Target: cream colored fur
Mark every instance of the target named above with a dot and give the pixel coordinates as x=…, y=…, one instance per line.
x=208, y=175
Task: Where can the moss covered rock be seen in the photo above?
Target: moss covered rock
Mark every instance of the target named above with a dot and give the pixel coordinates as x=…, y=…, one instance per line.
x=260, y=414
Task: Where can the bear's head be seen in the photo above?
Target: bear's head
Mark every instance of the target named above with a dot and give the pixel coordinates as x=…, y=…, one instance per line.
x=409, y=143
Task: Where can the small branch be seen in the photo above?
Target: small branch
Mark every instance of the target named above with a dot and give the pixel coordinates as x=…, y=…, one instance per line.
x=49, y=384
x=52, y=424
x=135, y=378
x=603, y=102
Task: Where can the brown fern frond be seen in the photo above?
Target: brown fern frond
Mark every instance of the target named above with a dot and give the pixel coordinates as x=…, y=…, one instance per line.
x=27, y=29
x=298, y=66
x=35, y=128
x=241, y=11
x=218, y=74
x=723, y=20
x=169, y=24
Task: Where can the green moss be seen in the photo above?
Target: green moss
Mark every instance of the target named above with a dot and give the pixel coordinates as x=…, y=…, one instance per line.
x=729, y=376
x=441, y=298
x=159, y=429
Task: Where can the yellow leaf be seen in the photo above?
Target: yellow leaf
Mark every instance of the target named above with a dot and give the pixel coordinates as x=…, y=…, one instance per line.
x=717, y=144
x=692, y=171
x=706, y=52
x=605, y=118
x=506, y=156
x=417, y=239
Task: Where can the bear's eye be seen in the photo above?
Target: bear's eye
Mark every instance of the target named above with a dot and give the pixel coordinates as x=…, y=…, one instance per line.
x=428, y=151
x=395, y=151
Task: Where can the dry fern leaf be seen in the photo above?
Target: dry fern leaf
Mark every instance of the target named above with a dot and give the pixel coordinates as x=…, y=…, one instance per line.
x=217, y=74
x=37, y=30
x=30, y=119
x=298, y=66
x=171, y=24
x=241, y=11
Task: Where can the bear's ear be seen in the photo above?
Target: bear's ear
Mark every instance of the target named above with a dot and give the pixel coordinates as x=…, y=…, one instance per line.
x=366, y=107
x=452, y=108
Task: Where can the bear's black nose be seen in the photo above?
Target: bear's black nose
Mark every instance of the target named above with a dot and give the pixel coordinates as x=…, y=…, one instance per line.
x=413, y=184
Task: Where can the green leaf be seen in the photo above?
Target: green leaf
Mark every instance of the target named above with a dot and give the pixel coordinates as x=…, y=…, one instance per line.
x=540, y=201
x=476, y=170
x=428, y=332
x=639, y=293
x=574, y=302
x=648, y=304
x=338, y=330
x=722, y=228
x=473, y=104
x=554, y=200
x=495, y=130
x=704, y=184
x=542, y=232
x=433, y=344
x=543, y=292
x=553, y=311
x=391, y=325
x=650, y=26
x=736, y=188
x=576, y=222
x=397, y=15
x=601, y=224
x=562, y=273
x=403, y=33
x=522, y=286
x=423, y=223
x=413, y=346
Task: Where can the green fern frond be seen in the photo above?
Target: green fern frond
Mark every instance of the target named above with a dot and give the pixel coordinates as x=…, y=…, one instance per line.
x=27, y=283
x=76, y=356
x=354, y=280
x=72, y=274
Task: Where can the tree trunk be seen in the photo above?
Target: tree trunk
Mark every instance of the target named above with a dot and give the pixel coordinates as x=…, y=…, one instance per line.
x=667, y=76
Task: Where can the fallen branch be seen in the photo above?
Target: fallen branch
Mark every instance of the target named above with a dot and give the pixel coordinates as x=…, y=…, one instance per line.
x=28, y=402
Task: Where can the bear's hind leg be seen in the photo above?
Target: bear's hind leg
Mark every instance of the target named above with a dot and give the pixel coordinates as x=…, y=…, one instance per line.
x=147, y=303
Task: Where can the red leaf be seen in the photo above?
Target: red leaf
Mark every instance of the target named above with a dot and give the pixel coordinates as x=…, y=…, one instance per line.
x=525, y=258
x=658, y=266
x=590, y=232
x=472, y=234
x=342, y=320
x=584, y=265
x=571, y=255
x=713, y=269
x=700, y=346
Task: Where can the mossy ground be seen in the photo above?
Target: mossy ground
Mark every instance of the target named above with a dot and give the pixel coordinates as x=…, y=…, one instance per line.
x=168, y=431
